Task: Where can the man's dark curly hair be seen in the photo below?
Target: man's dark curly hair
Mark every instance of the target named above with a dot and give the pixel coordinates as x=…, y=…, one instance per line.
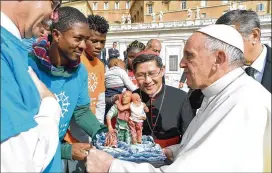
x=147, y=57
x=68, y=16
x=98, y=23
x=135, y=45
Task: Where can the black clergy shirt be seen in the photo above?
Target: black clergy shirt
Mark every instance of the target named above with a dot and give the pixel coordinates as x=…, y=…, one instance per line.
x=175, y=115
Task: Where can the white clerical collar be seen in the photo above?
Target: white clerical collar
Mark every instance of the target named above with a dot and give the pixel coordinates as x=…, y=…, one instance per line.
x=259, y=63
x=10, y=26
x=221, y=83
x=153, y=95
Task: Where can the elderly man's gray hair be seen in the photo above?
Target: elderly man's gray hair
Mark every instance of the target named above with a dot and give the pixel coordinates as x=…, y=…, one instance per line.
x=235, y=55
x=246, y=19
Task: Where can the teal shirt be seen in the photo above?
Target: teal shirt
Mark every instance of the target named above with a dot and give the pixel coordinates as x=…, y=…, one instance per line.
x=70, y=92
x=29, y=43
x=20, y=99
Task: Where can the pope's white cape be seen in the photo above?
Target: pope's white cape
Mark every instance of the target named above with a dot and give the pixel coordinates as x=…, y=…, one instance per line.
x=230, y=133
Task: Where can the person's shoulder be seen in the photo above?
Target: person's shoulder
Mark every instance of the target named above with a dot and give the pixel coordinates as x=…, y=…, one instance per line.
x=7, y=48
x=252, y=96
x=99, y=62
x=81, y=71
x=32, y=63
x=99, y=66
x=120, y=70
x=268, y=54
x=175, y=91
x=249, y=90
x=137, y=91
x=267, y=46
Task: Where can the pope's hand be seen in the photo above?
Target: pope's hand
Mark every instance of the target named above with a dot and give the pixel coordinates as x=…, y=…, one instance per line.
x=168, y=153
x=80, y=150
x=43, y=90
x=98, y=161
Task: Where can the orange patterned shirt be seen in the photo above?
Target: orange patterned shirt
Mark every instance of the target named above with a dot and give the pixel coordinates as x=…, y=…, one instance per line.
x=96, y=79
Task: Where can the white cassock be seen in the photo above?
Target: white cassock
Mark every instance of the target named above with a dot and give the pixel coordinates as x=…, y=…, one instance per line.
x=230, y=133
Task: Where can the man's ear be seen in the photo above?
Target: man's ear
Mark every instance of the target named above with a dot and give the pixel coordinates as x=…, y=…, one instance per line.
x=220, y=59
x=256, y=35
x=56, y=35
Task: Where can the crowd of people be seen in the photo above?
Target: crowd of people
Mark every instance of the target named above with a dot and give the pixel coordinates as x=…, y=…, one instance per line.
x=57, y=95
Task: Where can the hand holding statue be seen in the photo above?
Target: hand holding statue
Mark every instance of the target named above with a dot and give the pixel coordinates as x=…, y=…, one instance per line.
x=80, y=150
x=168, y=153
x=98, y=161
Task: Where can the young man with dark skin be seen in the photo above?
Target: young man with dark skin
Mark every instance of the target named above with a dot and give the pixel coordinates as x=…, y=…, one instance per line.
x=98, y=28
x=59, y=67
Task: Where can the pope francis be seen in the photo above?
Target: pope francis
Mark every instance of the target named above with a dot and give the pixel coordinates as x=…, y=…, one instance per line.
x=231, y=131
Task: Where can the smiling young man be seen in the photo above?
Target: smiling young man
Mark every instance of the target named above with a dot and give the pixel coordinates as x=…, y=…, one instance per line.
x=98, y=28
x=170, y=112
x=59, y=67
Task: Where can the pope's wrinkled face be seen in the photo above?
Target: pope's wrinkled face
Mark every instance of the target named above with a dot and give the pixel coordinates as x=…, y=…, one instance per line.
x=197, y=62
x=149, y=76
x=35, y=12
x=126, y=97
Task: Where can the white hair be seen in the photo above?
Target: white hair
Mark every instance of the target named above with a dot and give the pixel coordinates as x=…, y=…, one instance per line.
x=235, y=55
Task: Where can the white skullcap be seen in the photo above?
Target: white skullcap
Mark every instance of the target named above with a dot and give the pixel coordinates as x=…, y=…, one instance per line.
x=225, y=33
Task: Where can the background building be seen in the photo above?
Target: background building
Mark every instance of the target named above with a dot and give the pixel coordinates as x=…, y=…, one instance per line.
x=111, y=10
x=83, y=6
x=172, y=10
x=141, y=11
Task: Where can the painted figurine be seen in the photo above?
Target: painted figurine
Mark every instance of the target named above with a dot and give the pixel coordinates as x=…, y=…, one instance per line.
x=121, y=110
x=138, y=110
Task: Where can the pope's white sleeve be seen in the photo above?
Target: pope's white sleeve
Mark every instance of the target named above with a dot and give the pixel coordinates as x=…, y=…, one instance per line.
x=175, y=149
x=100, y=108
x=32, y=151
x=124, y=166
